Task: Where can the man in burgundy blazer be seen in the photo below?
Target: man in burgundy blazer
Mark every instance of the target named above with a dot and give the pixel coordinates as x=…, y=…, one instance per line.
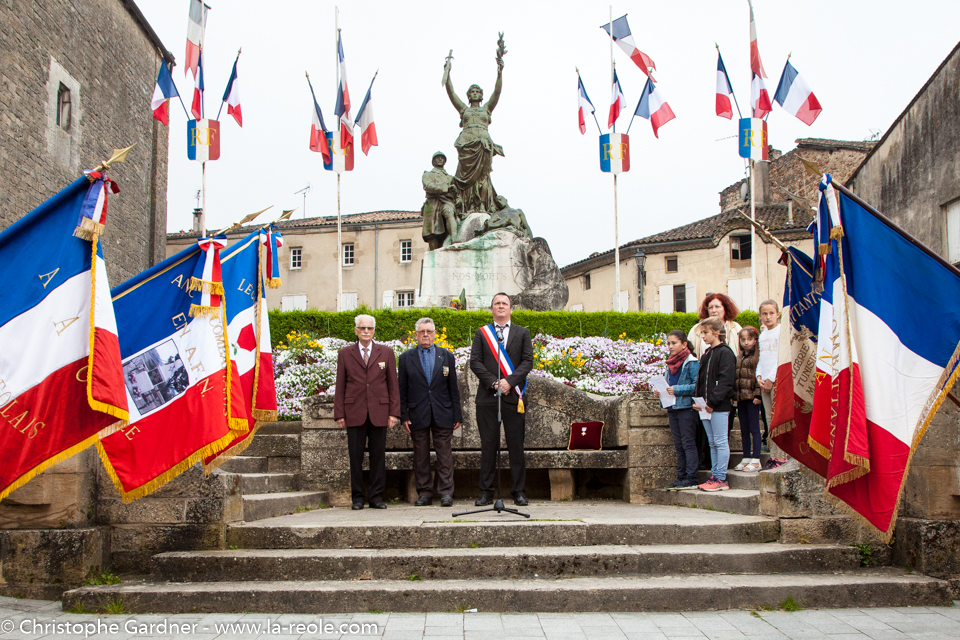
x=367, y=403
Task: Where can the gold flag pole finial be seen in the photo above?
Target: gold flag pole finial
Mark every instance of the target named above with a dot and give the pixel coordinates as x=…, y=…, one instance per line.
x=812, y=167
x=286, y=215
x=245, y=220
x=119, y=155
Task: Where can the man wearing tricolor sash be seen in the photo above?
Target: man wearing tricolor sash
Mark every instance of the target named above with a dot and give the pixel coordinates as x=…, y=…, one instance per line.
x=501, y=357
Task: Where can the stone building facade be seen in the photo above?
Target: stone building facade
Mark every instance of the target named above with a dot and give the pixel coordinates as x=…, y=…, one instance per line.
x=381, y=251
x=681, y=265
x=76, y=80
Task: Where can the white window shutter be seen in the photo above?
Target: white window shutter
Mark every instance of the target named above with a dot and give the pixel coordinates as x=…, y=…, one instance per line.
x=416, y=297
x=666, y=298
x=387, y=300
x=624, y=301
x=691, y=292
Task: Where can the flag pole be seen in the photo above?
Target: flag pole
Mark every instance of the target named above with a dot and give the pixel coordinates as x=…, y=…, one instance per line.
x=203, y=191
x=753, y=220
x=336, y=44
x=616, y=230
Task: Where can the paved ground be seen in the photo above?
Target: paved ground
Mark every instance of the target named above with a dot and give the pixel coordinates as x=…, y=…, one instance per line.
x=34, y=619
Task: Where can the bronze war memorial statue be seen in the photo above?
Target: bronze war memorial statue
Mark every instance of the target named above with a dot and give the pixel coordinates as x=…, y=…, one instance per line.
x=479, y=243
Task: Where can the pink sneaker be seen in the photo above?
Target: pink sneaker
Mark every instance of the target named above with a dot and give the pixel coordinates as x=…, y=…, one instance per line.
x=714, y=485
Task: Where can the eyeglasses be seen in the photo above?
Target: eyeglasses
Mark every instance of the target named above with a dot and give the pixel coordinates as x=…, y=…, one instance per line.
x=366, y=328
x=427, y=331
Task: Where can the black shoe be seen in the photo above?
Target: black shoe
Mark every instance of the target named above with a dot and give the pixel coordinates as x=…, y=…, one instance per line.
x=357, y=505
x=484, y=500
x=687, y=484
x=673, y=486
x=423, y=501
x=377, y=504
x=520, y=500
x=446, y=501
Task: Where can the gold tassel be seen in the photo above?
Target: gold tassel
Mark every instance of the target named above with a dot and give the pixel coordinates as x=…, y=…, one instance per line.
x=273, y=283
x=836, y=233
x=88, y=229
x=198, y=311
x=520, y=406
x=824, y=249
x=205, y=286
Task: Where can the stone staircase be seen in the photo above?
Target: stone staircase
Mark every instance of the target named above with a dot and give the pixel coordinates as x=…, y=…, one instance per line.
x=574, y=556
x=269, y=471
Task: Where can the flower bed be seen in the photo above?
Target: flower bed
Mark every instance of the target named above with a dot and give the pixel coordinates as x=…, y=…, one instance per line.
x=305, y=365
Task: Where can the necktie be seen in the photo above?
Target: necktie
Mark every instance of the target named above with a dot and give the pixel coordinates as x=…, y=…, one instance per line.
x=427, y=364
x=366, y=356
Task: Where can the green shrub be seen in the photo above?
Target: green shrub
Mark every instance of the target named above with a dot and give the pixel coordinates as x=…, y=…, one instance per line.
x=461, y=325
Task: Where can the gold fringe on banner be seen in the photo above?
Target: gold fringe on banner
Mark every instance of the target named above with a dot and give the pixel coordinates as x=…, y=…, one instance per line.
x=819, y=448
x=199, y=311
x=88, y=229
x=205, y=286
x=274, y=283
x=97, y=405
x=46, y=464
x=264, y=415
x=836, y=233
x=823, y=249
x=168, y=475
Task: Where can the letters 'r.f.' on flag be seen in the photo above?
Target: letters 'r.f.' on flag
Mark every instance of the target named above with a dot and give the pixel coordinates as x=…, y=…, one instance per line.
x=654, y=107
x=196, y=28
x=584, y=105
x=624, y=39
x=796, y=97
x=61, y=382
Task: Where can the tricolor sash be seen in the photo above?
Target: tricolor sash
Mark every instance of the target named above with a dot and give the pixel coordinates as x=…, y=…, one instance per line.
x=506, y=366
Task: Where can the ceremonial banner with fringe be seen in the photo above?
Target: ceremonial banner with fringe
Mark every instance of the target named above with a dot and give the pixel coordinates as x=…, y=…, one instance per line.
x=272, y=240
x=60, y=377
x=248, y=329
x=177, y=371
x=907, y=362
x=796, y=370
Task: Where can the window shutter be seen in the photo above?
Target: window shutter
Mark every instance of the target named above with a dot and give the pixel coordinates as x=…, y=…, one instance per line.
x=666, y=298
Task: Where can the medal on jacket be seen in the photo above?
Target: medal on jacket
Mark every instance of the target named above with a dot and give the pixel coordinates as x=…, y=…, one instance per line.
x=506, y=366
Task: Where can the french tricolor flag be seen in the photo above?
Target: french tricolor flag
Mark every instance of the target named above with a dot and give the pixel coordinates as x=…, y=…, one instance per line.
x=164, y=90
x=653, y=106
x=196, y=108
x=368, y=129
x=796, y=97
x=617, y=101
x=343, y=101
x=759, y=96
x=196, y=28
x=624, y=38
x=724, y=90
x=584, y=105
x=62, y=381
x=232, y=95
x=318, y=130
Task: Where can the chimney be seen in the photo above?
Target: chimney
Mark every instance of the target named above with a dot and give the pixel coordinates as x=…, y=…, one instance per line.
x=762, y=181
x=199, y=223
x=790, y=213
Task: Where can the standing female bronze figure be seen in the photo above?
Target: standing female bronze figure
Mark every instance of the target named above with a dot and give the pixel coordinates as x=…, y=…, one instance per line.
x=475, y=148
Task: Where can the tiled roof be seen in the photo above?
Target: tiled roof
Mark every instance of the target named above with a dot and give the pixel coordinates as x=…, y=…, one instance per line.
x=370, y=217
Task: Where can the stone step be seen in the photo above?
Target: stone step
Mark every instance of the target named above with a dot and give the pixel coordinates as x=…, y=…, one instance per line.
x=702, y=592
x=736, y=479
x=503, y=562
x=283, y=426
x=283, y=465
x=275, y=445
x=252, y=483
x=743, y=501
x=346, y=529
x=268, y=505
x=245, y=464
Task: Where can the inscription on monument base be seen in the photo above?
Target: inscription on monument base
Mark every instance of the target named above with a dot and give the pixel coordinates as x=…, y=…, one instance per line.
x=478, y=276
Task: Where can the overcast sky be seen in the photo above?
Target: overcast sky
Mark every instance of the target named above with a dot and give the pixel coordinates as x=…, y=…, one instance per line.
x=865, y=60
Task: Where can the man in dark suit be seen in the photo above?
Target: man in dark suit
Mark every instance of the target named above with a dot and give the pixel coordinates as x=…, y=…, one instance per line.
x=367, y=403
x=484, y=363
x=430, y=403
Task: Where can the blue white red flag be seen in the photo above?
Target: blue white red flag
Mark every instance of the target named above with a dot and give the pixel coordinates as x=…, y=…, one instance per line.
x=624, y=38
x=196, y=107
x=203, y=140
x=182, y=394
x=724, y=90
x=653, y=106
x=341, y=159
x=907, y=362
x=231, y=96
x=61, y=381
x=796, y=97
x=753, y=139
x=617, y=101
x=614, y=153
x=759, y=96
x=368, y=129
x=196, y=28
x=164, y=90
x=271, y=239
x=248, y=330
x=343, y=100
x=584, y=106
x=797, y=362
x=319, y=138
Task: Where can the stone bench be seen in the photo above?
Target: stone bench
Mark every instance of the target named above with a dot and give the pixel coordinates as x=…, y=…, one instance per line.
x=637, y=452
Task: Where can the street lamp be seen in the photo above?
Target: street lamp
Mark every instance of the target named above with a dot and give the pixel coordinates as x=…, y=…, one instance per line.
x=641, y=259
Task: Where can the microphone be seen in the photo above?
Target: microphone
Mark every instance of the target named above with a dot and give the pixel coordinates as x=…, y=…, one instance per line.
x=499, y=330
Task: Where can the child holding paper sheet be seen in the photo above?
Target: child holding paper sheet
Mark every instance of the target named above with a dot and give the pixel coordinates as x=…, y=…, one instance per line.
x=715, y=384
x=681, y=375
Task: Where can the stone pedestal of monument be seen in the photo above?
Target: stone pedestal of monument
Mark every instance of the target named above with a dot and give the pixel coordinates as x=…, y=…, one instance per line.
x=499, y=260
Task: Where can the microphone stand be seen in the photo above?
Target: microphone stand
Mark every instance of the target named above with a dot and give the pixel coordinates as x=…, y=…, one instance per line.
x=498, y=503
